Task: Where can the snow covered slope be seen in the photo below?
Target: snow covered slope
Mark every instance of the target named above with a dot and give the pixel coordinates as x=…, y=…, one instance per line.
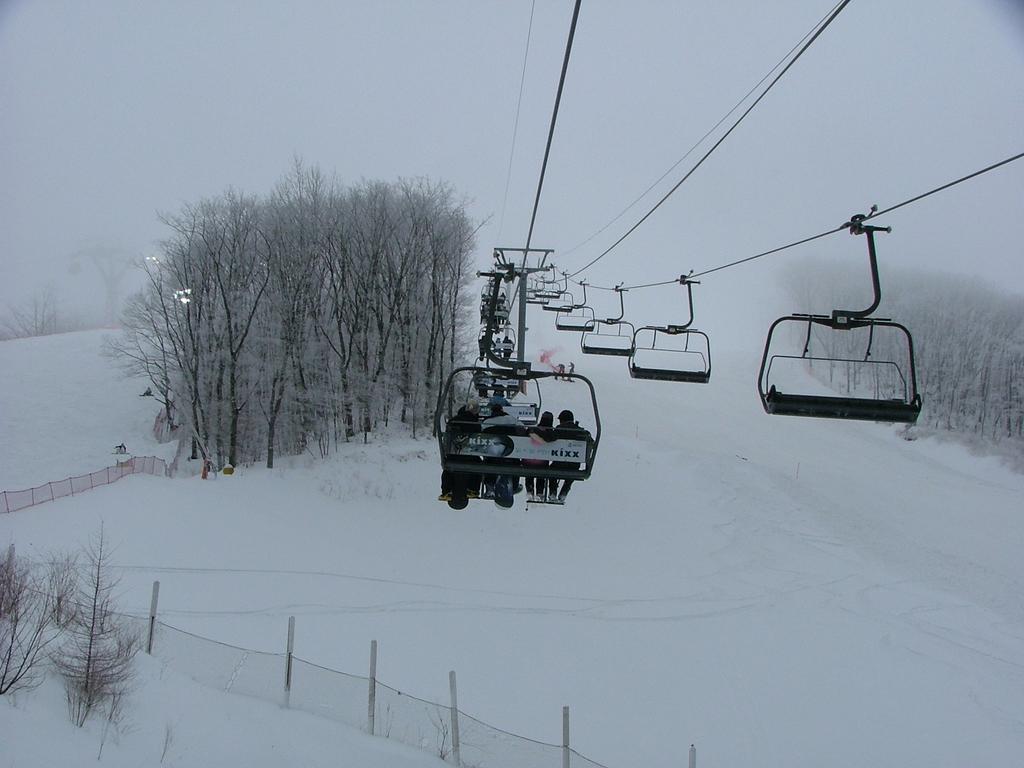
x=63, y=408
x=778, y=591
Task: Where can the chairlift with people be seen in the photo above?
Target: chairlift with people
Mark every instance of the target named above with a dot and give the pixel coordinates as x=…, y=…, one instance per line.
x=476, y=449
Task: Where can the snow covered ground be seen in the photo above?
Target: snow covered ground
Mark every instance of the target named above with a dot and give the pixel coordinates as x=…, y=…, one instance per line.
x=777, y=591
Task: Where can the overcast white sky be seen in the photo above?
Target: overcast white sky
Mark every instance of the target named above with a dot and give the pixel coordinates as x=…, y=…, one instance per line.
x=112, y=111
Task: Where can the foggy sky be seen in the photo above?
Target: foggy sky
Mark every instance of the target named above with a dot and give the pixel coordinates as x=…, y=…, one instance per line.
x=113, y=111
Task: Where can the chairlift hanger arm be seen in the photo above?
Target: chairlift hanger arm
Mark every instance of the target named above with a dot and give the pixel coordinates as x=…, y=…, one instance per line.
x=622, y=307
x=857, y=226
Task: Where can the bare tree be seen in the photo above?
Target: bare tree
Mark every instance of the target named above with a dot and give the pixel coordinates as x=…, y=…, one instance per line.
x=62, y=589
x=35, y=317
x=25, y=629
x=96, y=658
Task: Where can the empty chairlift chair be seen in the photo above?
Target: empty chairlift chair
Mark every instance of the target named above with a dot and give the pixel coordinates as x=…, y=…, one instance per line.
x=850, y=365
x=563, y=302
x=672, y=352
x=609, y=336
x=579, y=320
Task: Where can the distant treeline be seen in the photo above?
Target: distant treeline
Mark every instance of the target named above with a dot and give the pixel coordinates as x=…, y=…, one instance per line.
x=288, y=322
x=968, y=341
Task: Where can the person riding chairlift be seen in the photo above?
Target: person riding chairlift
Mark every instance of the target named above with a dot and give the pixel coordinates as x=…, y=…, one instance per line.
x=537, y=487
x=568, y=429
x=502, y=422
x=457, y=488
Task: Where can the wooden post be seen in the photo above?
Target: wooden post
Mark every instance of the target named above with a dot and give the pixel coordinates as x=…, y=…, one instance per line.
x=371, y=708
x=693, y=756
x=565, y=737
x=152, y=617
x=288, y=662
x=455, y=719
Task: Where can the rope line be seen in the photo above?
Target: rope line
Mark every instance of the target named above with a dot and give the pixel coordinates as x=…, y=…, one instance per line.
x=554, y=117
x=747, y=111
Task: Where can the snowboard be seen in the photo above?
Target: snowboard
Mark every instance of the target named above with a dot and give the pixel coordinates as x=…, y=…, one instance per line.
x=504, y=492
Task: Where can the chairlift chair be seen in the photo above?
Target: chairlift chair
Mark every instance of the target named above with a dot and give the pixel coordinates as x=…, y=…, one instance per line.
x=617, y=340
x=563, y=302
x=471, y=448
x=687, y=360
x=566, y=302
x=674, y=352
x=883, y=388
x=580, y=320
x=524, y=406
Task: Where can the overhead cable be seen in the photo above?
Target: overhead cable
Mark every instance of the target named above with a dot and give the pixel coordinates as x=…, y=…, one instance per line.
x=724, y=136
x=699, y=141
x=554, y=117
x=947, y=186
x=840, y=228
x=515, y=124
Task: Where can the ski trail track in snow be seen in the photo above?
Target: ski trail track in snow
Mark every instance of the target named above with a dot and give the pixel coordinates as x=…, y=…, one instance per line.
x=776, y=590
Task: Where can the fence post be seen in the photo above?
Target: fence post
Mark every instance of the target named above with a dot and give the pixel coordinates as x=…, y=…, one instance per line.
x=455, y=719
x=288, y=662
x=7, y=505
x=371, y=709
x=152, y=617
x=693, y=756
x=565, y=737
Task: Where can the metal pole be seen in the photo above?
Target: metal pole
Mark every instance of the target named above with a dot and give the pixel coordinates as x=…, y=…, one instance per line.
x=371, y=709
x=152, y=617
x=565, y=737
x=693, y=756
x=455, y=719
x=288, y=662
x=523, y=277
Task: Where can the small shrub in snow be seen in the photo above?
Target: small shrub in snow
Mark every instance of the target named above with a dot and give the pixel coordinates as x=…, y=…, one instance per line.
x=96, y=655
